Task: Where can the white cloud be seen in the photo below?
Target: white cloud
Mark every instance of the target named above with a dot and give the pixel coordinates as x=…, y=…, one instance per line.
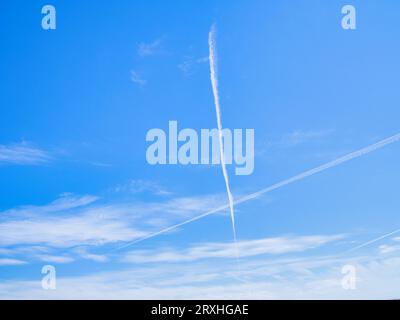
x=67, y=221
x=83, y=221
x=187, y=206
x=65, y=202
x=298, y=137
x=55, y=259
x=83, y=253
x=384, y=249
x=189, y=65
x=23, y=154
x=172, y=210
x=6, y=251
x=142, y=186
x=246, y=248
x=316, y=278
x=84, y=229
x=94, y=257
x=136, y=78
x=149, y=49
x=11, y=262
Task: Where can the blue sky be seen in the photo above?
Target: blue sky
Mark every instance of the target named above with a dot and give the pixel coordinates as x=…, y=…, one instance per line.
x=77, y=102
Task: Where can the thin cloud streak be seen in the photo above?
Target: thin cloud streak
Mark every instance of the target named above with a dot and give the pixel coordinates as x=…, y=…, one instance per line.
x=11, y=262
x=221, y=250
x=22, y=154
x=136, y=78
x=149, y=49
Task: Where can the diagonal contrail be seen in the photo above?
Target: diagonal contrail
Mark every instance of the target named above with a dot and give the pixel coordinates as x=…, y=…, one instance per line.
x=278, y=185
x=374, y=240
x=214, y=84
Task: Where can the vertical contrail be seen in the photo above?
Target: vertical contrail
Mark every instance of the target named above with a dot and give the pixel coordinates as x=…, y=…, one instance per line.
x=214, y=84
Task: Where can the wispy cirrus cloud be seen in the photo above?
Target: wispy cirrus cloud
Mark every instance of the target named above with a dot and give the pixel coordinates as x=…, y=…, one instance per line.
x=388, y=248
x=319, y=277
x=298, y=137
x=65, y=202
x=137, y=78
x=188, y=66
x=246, y=248
x=137, y=186
x=11, y=262
x=145, y=49
x=85, y=254
x=69, y=221
x=188, y=206
x=391, y=246
x=23, y=154
x=88, y=228
x=55, y=259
